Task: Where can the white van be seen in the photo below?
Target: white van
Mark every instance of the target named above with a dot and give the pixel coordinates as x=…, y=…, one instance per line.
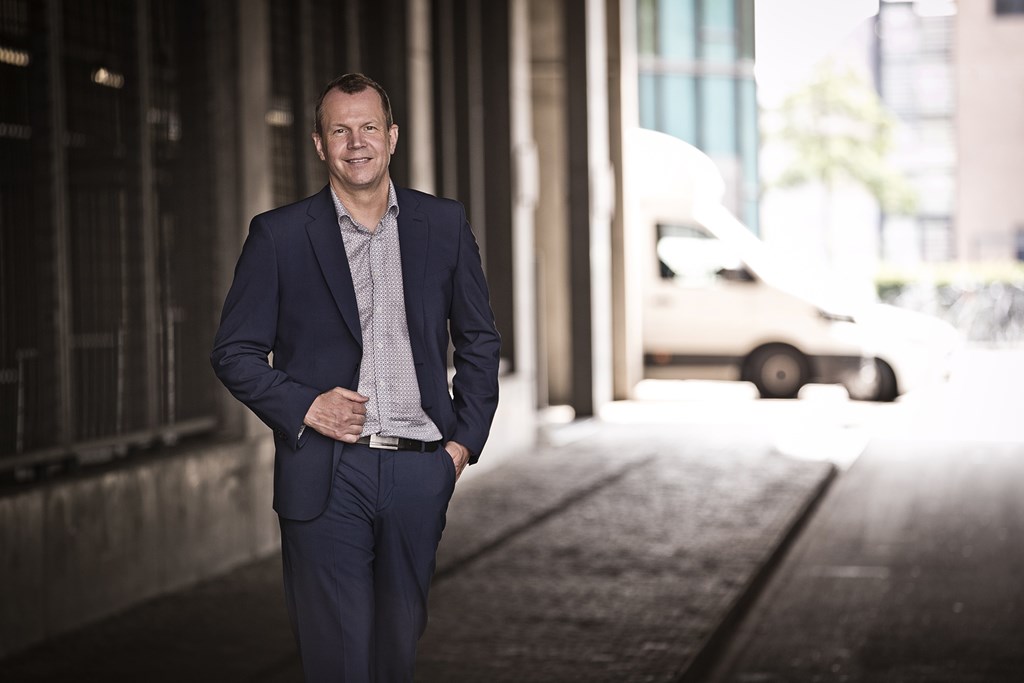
x=718, y=305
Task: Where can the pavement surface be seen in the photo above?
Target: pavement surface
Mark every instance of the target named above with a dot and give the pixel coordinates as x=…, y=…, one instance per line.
x=909, y=572
x=910, y=569
x=705, y=541
x=616, y=554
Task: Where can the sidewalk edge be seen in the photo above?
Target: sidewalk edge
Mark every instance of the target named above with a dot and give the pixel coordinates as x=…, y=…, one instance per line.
x=709, y=651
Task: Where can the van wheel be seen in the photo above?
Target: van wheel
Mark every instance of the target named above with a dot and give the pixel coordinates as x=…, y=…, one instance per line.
x=886, y=390
x=882, y=389
x=777, y=371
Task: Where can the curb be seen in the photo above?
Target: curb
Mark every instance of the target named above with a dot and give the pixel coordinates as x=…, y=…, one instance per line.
x=709, y=651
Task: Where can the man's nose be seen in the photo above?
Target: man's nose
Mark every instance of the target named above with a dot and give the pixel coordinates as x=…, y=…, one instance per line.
x=355, y=140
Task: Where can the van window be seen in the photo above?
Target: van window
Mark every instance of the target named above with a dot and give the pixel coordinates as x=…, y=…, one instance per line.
x=692, y=257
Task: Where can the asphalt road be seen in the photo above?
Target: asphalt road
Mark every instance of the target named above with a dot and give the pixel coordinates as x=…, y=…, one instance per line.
x=910, y=569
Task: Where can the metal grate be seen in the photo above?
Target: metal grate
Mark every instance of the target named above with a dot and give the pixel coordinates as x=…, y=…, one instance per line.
x=106, y=270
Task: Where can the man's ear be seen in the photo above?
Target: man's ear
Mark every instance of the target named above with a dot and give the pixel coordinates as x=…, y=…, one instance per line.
x=318, y=143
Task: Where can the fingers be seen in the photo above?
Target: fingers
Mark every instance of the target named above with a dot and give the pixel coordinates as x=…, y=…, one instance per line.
x=459, y=455
x=339, y=414
x=350, y=395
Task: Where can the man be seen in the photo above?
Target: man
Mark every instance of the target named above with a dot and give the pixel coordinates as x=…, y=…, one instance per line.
x=356, y=292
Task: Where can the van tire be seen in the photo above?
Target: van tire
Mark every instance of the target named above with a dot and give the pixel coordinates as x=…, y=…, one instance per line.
x=883, y=389
x=886, y=390
x=777, y=370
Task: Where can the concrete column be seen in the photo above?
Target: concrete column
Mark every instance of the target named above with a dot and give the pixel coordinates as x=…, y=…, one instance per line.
x=591, y=202
x=623, y=107
x=254, y=102
x=549, y=122
x=525, y=187
x=254, y=164
x=418, y=130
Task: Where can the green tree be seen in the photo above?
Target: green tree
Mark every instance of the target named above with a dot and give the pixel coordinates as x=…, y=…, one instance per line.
x=839, y=132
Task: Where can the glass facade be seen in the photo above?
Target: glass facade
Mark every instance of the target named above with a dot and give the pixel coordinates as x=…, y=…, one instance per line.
x=916, y=84
x=696, y=82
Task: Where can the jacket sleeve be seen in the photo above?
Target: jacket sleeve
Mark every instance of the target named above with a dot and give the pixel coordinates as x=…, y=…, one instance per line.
x=477, y=347
x=245, y=340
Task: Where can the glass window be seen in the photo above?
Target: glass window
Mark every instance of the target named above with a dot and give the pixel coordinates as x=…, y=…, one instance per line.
x=676, y=29
x=746, y=29
x=748, y=130
x=718, y=115
x=647, y=27
x=748, y=152
x=718, y=30
x=691, y=257
x=678, y=115
x=647, y=87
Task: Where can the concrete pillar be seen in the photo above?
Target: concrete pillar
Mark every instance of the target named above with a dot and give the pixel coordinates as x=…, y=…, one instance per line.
x=591, y=202
x=525, y=188
x=254, y=102
x=418, y=130
x=623, y=108
x=548, y=98
x=254, y=165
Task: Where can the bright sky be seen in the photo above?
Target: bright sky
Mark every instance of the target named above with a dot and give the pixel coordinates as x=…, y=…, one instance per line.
x=792, y=35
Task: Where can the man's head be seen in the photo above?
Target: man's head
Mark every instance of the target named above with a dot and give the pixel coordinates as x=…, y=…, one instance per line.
x=351, y=84
x=355, y=136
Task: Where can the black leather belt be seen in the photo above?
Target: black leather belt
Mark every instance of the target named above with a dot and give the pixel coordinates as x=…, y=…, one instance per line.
x=397, y=443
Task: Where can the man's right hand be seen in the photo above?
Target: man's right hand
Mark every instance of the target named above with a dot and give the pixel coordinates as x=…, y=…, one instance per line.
x=338, y=414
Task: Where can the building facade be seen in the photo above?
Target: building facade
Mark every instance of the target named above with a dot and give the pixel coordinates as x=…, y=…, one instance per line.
x=696, y=82
x=916, y=82
x=989, y=49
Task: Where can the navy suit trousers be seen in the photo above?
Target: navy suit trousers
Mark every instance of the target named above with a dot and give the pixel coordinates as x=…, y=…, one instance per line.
x=357, y=577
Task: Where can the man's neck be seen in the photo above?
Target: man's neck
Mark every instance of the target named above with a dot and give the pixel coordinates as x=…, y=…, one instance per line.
x=366, y=207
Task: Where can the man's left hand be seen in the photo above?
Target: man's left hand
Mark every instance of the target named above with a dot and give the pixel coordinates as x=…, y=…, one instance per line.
x=459, y=455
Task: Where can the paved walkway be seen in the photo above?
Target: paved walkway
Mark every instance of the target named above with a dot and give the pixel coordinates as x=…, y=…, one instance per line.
x=610, y=558
x=909, y=572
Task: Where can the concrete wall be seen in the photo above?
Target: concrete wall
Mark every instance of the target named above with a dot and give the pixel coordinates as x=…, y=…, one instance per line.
x=989, y=56
x=85, y=547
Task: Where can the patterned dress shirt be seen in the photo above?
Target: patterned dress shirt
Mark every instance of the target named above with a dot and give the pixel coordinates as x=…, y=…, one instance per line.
x=386, y=374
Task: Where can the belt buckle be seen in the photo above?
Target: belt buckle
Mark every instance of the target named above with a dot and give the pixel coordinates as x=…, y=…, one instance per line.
x=387, y=443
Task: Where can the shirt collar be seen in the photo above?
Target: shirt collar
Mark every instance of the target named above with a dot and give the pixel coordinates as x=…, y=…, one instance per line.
x=342, y=212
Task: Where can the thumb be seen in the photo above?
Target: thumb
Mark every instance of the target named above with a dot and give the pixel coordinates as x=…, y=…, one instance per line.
x=351, y=395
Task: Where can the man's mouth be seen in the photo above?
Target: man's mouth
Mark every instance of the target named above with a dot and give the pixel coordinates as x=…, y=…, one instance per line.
x=357, y=160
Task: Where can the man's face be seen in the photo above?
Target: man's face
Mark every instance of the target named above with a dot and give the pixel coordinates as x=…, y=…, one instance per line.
x=356, y=143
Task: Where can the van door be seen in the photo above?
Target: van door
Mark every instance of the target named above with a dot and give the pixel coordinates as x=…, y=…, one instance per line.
x=702, y=304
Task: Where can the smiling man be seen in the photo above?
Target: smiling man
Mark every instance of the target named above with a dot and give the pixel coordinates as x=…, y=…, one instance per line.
x=357, y=292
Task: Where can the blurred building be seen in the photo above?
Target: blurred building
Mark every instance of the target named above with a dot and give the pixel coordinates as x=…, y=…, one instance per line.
x=696, y=82
x=138, y=137
x=953, y=73
x=989, y=51
x=916, y=81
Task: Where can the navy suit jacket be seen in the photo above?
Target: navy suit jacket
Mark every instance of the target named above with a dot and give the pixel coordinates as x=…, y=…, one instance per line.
x=292, y=295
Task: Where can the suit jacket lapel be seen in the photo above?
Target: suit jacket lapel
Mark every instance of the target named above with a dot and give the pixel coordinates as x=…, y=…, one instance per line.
x=329, y=248
x=413, y=236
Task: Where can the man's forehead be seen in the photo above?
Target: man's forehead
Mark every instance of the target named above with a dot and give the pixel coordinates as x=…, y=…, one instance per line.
x=367, y=102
